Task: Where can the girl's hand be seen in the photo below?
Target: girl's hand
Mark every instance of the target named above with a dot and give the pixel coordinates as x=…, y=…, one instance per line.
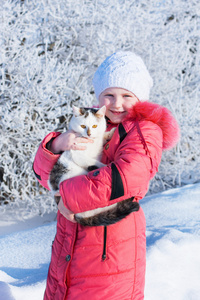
x=68, y=141
x=66, y=212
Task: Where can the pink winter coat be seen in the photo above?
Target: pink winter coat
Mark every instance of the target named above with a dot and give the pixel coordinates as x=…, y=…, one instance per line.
x=107, y=263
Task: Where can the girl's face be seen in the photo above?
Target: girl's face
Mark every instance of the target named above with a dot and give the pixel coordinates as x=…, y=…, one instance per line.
x=118, y=103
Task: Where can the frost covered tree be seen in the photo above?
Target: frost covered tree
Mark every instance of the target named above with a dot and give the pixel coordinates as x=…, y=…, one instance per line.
x=49, y=52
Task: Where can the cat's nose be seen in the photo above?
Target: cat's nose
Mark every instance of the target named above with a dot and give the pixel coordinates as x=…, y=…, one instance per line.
x=88, y=132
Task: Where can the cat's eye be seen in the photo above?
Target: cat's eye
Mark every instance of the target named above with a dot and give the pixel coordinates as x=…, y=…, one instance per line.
x=83, y=126
x=94, y=126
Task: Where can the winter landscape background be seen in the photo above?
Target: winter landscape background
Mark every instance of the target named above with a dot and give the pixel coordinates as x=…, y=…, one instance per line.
x=49, y=52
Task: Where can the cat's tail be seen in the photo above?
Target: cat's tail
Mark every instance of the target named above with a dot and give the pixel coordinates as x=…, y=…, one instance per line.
x=112, y=216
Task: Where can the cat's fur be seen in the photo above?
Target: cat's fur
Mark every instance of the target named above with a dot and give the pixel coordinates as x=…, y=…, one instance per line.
x=89, y=123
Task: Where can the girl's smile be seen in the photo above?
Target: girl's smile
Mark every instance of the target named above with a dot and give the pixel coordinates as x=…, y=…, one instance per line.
x=118, y=103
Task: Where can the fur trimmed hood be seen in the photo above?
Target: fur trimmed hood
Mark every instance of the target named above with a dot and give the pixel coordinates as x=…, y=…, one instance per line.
x=161, y=116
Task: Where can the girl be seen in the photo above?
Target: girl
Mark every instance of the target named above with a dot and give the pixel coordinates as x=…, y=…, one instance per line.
x=108, y=263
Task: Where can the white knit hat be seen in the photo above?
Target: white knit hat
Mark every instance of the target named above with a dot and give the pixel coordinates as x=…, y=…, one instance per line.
x=124, y=70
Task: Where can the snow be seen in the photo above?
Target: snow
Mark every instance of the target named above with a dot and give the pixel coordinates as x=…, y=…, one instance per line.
x=25, y=255
x=173, y=247
x=173, y=244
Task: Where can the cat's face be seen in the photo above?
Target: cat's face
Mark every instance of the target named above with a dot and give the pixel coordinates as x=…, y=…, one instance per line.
x=89, y=123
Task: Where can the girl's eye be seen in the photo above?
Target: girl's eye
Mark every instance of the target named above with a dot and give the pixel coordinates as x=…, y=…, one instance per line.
x=127, y=96
x=109, y=95
x=83, y=126
x=94, y=126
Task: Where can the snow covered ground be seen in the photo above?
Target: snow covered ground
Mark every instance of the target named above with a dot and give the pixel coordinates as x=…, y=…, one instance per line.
x=173, y=249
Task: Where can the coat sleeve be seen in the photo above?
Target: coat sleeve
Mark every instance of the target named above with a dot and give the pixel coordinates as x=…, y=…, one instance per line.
x=127, y=175
x=45, y=160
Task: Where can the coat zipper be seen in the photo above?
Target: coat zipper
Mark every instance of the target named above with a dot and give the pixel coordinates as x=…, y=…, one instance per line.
x=104, y=243
x=144, y=144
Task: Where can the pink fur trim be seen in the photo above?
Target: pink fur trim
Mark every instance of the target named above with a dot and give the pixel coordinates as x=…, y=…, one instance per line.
x=162, y=117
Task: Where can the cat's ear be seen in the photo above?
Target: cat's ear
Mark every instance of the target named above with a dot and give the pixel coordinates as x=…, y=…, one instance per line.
x=76, y=111
x=101, y=112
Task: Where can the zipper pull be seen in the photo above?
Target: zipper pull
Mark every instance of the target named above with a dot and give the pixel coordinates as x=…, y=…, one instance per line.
x=104, y=243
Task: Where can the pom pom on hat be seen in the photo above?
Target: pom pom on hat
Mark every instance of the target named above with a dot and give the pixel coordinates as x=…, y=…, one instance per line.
x=125, y=70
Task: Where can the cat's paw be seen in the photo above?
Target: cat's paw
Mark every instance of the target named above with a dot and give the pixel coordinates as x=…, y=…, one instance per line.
x=57, y=199
x=108, y=135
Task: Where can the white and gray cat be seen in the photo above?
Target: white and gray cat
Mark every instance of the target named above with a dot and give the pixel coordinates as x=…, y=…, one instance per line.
x=89, y=123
